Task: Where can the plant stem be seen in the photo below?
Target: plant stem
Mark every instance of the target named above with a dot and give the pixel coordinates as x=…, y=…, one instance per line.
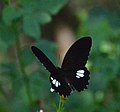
x=24, y=75
x=2, y=92
x=59, y=107
x=61, y=104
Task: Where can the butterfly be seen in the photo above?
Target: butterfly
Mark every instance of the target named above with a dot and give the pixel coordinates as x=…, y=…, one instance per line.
x=73, y=75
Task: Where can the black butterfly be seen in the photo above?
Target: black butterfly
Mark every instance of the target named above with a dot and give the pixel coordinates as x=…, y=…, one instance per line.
x=73, y=75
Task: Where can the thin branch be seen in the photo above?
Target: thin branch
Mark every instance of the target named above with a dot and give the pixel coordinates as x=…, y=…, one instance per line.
x=61, y=104
x=24, y=75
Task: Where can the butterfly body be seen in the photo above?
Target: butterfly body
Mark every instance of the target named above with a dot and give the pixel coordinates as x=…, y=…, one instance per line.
x=73, y=75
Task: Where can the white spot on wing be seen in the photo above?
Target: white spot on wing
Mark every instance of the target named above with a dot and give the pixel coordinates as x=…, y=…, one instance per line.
x=56, y=84
x=41, y=110
x=51, y=78
x=80, y=73
x=77, y=76
x=54, y=81
x=59, y=83
x=51, y=89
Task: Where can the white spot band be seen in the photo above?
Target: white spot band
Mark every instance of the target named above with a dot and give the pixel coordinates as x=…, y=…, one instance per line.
x=80, y=73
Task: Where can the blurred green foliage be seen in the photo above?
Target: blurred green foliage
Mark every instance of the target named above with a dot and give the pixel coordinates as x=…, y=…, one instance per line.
x=21, y=89
x=24, y=87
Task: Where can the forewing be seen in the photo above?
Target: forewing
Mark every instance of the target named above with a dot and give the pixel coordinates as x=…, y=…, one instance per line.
x=77, y=55
x=44, y=60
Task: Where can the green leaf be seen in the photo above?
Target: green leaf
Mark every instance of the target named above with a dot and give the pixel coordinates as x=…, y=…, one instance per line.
x=11, y=73
x=19, y=102
x=49, y=48
x=3, y=108
x=7, y=36
x=31, y=27
x=32, y=22
x=3, y=46
x=27, y=56
x=99, y=96
x=50, y=6
x=100, y=28
x=10, y=13
x=38, y=83
x=42, y=17
x=38, y=12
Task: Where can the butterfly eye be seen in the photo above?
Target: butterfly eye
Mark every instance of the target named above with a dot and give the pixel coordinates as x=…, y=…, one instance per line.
x=80, y=73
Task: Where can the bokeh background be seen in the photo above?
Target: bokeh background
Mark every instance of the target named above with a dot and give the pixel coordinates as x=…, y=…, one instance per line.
x=53, y=25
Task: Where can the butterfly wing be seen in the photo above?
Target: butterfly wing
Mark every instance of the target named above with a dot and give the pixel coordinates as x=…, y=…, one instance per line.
x=44, y=60
x=77, y=55
x=79, y=79
x=74, y=63
x=59, y=85
x=57, y=80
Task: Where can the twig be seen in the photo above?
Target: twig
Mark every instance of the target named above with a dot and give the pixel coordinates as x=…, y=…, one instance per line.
x=61, y=104
x=24, y=75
